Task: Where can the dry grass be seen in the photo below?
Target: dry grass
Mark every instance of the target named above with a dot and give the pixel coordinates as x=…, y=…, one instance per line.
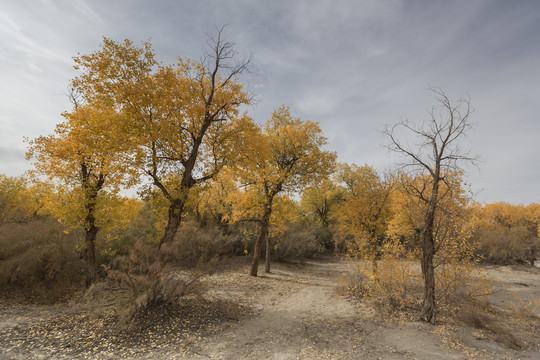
x=39, y=261
x=138, y=282
x=475, y=317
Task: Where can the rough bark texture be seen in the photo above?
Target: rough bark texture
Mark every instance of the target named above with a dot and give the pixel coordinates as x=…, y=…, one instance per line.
x=91, y=194
x=173, y=223
x=265, y=223
x=176, y=205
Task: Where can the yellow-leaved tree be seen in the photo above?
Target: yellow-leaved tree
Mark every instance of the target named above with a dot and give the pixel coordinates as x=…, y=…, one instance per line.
x=82, y=160
x=282, y=156
x=505, y=232
x=19, y=201
x=365, y=209
x=451, y=226
x=320, y=202
x=454, y=253
x=216, y=201
x=184, y=119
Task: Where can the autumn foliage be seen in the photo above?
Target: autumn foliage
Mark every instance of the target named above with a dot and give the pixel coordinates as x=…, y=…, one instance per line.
x=212, y=182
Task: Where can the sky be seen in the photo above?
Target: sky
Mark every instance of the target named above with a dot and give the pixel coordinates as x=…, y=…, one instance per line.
x=354, y=66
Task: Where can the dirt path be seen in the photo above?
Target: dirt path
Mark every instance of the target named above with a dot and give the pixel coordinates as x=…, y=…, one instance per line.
x=296, y=312
x=299, y=315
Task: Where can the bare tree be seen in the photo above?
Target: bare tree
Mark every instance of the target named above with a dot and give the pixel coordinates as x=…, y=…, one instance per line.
x=436, y=154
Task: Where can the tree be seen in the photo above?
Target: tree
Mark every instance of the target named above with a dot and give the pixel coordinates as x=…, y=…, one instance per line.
x=321, y=200
x=365, y=208
x=215, y=202
x=437, y=153
x=19, y=202
x=284, y=155
x=82, y=159
x=184, y=119
x=451, y=220
x=503, y=232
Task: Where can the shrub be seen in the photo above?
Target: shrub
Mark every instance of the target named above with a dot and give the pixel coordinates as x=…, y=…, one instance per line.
x=478, y=319
x=503, y=245
x=193, y=245
x=301, y=241
x=394, y=281
x=38, y=258
x=137, y=282
x=522, y=308
x=391, y=281
x=459, y=284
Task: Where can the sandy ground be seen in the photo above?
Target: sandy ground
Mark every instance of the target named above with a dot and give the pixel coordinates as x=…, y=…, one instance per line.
x=295, y=312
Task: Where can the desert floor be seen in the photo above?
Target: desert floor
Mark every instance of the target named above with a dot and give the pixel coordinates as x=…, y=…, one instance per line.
x=298, y=311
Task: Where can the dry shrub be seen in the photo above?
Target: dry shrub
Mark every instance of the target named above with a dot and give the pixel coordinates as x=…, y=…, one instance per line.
x=392, y=281
x=461, y=283
x=138, y=281
x=301, y=241
x=395, y=282
x=193, y=245
x=396, y=279
x=358, y=281
x=479, y=319
x=524, y=309
x=38, y=259
x=503, y=245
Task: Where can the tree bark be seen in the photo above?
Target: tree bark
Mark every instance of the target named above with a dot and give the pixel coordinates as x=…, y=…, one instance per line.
x=90, y=250
x=428, y=306
x=173, y=223
x=90, y=236
x=265, y=223
x=267, y=255
x=428, y=253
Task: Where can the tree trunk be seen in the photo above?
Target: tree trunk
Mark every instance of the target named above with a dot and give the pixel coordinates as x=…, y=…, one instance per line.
x=374, y=268
x=267, y=255
x=90, y=253
x=428, y=253
x=428, y=306
x=175, y=218
x=90, y=228
x=90, y=236
x=265, y=223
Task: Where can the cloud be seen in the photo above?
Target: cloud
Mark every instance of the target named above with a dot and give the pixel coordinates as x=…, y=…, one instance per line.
x=353, y=66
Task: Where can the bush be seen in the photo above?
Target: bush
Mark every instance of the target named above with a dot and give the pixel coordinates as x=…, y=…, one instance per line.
x=392, y=281
x=301, y=241
x=503, y=245
x=193, y=245
x=478, y=319
x=138, y=282
x=395, y=281
x=459, y=284
x=38, y=258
